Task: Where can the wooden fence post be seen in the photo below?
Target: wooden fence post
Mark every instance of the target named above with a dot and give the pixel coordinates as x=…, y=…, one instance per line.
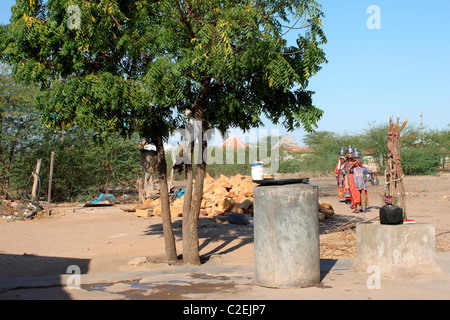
x=34, y=194
x=50, y=182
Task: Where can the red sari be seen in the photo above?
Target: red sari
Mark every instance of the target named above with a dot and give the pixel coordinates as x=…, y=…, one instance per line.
x=340, y=180
x=355, y=195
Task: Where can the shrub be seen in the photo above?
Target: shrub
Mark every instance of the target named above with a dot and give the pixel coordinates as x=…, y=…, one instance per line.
x=420, y=160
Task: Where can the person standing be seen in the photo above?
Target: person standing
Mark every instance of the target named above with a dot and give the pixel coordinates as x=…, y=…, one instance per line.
x=340, y=178
x=358, y=187
x=346, y=166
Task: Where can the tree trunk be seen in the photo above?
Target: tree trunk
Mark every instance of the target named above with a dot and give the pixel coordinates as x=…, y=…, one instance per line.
x=187, y=198
x=191, y=254
x=169, y=239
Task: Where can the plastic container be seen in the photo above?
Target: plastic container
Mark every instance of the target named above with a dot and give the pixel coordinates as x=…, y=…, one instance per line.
x=257, y=171
x=391, y=215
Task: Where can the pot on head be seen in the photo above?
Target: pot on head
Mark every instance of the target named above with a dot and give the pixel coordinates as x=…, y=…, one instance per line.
x=356, y=153
x=350, y=149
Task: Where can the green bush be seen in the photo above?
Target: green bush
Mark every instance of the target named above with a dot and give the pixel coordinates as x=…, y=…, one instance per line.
x=420, y=160
x=290, y=166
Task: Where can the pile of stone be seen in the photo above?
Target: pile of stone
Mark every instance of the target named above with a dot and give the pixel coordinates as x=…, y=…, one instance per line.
x=221, y=197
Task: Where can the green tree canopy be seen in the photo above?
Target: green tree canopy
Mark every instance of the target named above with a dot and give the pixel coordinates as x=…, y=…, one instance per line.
x=142, y=63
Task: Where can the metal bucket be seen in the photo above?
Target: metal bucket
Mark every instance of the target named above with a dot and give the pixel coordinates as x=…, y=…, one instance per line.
x=375, y=181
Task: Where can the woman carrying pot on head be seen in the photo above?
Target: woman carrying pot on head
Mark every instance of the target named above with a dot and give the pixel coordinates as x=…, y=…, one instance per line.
x=345, y=168
x=358, y=187
x=340, y=178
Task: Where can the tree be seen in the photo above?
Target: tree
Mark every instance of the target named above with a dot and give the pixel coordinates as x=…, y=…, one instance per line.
x=375, y=140
x=96, y=62
x=144, y=63
x=18, y=120
x=236, y=66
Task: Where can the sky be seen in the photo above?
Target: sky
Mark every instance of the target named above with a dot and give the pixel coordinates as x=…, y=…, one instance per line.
x=392, y=62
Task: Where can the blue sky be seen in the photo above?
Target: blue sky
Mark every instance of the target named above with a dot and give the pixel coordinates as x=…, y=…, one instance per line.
x=400, y=70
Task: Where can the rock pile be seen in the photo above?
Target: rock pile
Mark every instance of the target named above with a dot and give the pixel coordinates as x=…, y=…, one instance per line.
x=221, y=197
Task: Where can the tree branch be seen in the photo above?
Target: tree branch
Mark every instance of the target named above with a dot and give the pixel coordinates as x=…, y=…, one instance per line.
x=184, y=20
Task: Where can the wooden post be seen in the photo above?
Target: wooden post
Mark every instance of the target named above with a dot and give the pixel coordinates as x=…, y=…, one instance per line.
x=50, y=182
x=141, y=196
x=36, y=180
x=394, y=173
x=146, y=186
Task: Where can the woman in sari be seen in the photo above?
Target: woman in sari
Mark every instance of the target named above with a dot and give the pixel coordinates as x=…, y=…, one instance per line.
x=340, y=178
x=358, y=187
x=347, y=165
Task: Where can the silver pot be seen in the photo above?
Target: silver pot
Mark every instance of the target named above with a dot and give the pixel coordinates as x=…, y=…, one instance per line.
x=342, y=151
x=356, y=153
x=368, y=176
x=375, y=181
x=350, y=149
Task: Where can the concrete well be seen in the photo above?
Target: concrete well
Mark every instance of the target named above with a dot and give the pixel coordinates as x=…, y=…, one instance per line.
x=400, y=251
x=286, y=235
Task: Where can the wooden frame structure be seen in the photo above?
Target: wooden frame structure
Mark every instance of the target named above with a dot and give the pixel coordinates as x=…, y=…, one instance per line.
x=394, y=188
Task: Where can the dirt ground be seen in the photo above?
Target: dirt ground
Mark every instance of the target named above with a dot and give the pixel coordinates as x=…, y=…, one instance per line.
x=106, y=239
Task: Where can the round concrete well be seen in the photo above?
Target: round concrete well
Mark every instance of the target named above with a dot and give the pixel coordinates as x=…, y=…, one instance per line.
x=286, y=235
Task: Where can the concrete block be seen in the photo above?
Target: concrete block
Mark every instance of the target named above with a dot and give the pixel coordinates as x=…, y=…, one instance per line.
x=286, y=236
x=400, y=251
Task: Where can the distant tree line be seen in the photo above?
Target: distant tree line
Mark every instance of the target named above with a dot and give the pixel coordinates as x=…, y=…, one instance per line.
x=423, y=151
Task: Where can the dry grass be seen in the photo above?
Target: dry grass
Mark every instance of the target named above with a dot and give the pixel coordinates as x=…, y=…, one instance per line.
x=338, y=245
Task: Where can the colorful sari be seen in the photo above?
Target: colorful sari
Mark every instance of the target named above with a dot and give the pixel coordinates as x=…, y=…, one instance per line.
x=340, y=181
x=347, y=193
x=355, y=195
x=359, y=188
